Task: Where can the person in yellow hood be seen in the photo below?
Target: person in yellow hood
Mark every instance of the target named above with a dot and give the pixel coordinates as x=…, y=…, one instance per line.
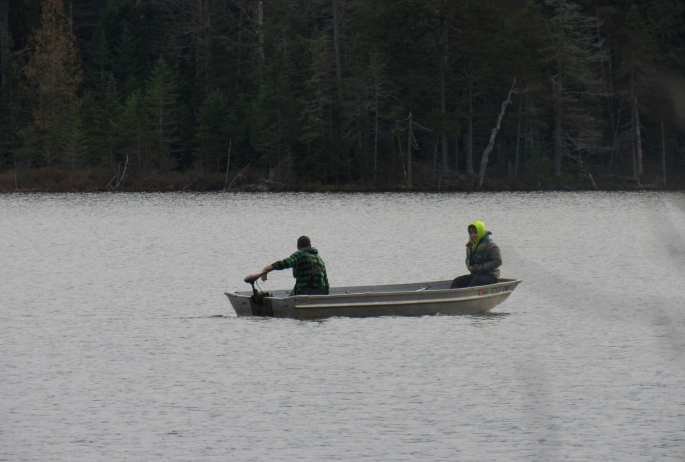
x=483, y=259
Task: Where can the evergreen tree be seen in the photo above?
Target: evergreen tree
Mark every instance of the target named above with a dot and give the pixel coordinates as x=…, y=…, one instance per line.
x=666, y=23
x=134, y=138
x=109, y=116
x=161, y=100
x=128, y=66
x=90, y=115
x=100, y=63
x=53, y=74
x=213, y=132
x=98, y=121
x=74, y=142
x=224, y=50
x=365, y=114
x=316, y=118
x=574, y=62
x=273, y=90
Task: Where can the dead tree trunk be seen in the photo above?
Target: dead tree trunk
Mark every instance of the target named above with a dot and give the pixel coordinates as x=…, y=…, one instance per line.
x=632, y=121
x=638, y=140
x=456, y=145
x=410, y=135
x=228, y=163
x=260, y=32
x=518, y=139
x=556, y=84
x=375, y=138
x=527, y=136
x=663, y=152
x=488, y=150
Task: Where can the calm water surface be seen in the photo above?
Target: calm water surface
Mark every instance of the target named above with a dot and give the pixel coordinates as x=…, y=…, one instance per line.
x=117, y=343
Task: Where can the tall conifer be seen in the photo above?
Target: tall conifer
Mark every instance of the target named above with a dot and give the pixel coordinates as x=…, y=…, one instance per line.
x=128, y=64
x=161, y=100
x=132, y=133
x=53, y=74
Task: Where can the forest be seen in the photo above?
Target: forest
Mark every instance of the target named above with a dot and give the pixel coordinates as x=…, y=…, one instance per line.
x=341, y=95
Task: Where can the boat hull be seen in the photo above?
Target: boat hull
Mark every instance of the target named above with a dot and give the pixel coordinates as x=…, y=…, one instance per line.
x=418, y=299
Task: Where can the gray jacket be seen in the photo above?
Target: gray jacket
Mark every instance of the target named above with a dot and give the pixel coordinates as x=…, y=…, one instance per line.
x=486, y=259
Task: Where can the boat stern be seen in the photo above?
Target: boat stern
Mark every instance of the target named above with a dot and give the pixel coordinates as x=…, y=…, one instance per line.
x=244, y=305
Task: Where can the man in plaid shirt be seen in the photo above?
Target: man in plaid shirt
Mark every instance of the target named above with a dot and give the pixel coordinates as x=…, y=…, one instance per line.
x=309, y=270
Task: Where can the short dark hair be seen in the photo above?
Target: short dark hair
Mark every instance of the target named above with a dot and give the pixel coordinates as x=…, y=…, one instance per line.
x=303, y=241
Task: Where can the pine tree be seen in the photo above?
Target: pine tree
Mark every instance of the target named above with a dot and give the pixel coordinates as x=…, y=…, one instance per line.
x=53, y=74
x=109, y=116
x=90, y=117
x=132, y=134
x=161, y=101
x=98, y=118
x=128, y=65
x=666, y=22
x=213, y=132
x=74, y=142
x=100, y=63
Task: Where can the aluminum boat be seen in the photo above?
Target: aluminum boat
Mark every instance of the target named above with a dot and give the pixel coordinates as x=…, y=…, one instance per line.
x=413, y=299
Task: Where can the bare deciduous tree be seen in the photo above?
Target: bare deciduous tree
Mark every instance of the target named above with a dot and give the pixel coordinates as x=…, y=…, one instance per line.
x=493, y=135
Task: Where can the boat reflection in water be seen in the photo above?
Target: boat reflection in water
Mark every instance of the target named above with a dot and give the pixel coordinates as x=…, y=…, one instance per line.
x=413, y=299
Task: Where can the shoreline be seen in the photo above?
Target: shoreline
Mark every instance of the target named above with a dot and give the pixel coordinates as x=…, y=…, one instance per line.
x=55, y=180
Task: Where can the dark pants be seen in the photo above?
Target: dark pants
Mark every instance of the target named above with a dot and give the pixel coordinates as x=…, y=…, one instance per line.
x=312, y=291
x=472, y=280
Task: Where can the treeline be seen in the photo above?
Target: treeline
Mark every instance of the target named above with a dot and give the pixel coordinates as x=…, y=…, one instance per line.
x=374, y=93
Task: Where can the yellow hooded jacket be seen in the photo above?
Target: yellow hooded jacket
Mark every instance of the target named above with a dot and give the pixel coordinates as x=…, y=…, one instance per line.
x=483, y=256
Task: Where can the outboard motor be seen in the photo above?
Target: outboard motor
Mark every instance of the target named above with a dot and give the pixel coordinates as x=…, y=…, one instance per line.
x=257, y=303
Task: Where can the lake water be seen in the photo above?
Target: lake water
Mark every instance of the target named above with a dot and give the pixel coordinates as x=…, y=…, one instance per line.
x=117, y=343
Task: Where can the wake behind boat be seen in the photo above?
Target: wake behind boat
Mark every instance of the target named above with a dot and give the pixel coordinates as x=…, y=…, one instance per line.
x=412, y=299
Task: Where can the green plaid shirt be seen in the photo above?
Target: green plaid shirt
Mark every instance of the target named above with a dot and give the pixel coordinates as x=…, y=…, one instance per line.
x=309, y=270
